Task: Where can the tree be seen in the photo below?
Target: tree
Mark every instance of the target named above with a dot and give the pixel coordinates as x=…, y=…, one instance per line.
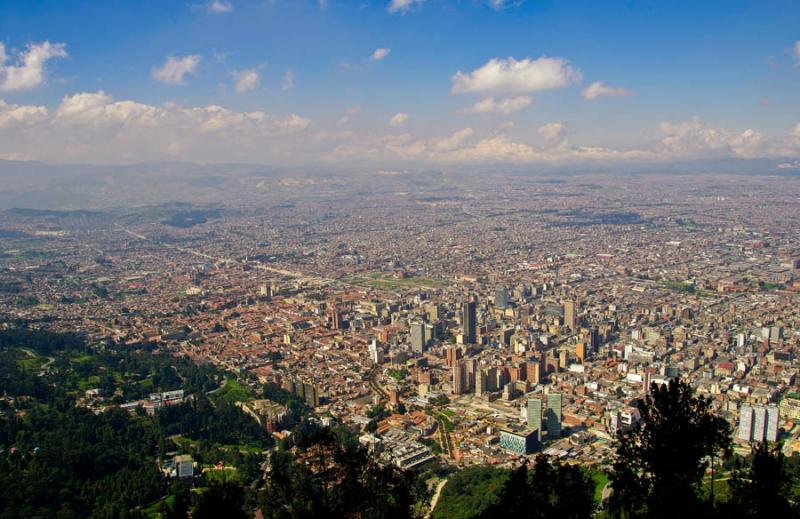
x=550, y=489
x=762, y=490
x=659, y=465
x=220, y=499
x=334, y=478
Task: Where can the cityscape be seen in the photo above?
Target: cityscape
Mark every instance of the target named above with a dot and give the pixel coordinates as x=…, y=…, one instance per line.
x=431, y=318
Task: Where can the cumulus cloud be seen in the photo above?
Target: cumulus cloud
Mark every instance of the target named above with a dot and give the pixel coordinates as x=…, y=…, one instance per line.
x=403, y=6
x=246, y=80
x=516, y=76
x=28, y=70
x=553, y=134
x=600, y=89
x=398, y=119
x=501, y=106
x=20, y=115
x=288, y=80
x=92, y=126
x=697, y=138
x=175, y=69
x=380, y=53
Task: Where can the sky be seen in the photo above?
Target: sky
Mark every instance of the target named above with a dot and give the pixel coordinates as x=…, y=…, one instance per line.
x=399, y=82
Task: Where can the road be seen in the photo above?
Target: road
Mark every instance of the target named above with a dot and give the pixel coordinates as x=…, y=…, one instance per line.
x=435, y=499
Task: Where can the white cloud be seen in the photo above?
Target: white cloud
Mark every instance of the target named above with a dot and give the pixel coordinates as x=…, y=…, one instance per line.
x=797, y=51
x=220, y=6
x=348, y=114
x=516, y=76
x=402, y=6
x=554, y=134
x=380, y=53
x=600, y=89
x=398, y=119
x=246, y=80
x=502, y=106
x=91, y=126
x=173, y=71
x=697, y=138
x=288, y=80
x=28, y=71
x=499, y=5
x=20, y=115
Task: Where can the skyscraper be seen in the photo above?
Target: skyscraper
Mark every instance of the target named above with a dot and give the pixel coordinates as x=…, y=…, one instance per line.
x=534, y=416
x=501, y=297
x=459, y=378
x=569, y=315
x=746, y=423
x=417, y=335
x=469, y=321
x=554, y=415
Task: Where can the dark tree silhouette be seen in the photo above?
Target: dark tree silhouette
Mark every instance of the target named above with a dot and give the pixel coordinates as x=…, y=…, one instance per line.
x=330, y=477
x=659, y=465
x=763, y=488
x=550, y=489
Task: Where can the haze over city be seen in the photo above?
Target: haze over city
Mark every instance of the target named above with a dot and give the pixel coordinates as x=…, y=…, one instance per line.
x=434, y=259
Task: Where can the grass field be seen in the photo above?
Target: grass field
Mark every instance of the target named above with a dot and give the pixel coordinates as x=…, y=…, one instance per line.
x=600, y=479
x=234, y=391
x=388, y=282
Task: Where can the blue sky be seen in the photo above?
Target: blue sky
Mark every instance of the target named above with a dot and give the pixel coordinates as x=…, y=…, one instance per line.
x=723, y=76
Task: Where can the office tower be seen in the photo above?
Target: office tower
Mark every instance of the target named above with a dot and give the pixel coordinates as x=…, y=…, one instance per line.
x=480, y=382
x=336, y=318
x=453, y=354
x=595, y=340
x=569, y=315
x=501, y=297
x=491, y=380
x=563, y=359
x=375, y=352
x=534, y=416
x=759, y=422
x=417, y=334
x=554, y=415
x=459, y=378
x=469, y=321
x=471, y=366
x=772, y=423
x=533, y=371
x=580, y=351
x=310, y=394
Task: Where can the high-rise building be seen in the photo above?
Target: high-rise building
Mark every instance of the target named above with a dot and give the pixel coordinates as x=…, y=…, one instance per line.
x=758, y=423
x=569, y=315
x=501, y=297
x=469, y=321
x=459, y=378
x=375, y=352
x=773, y=416
x=580, y=351
x=453, y=354
x=554, y=401
x=417, y=334
x=480, y=382
x=534, y=416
